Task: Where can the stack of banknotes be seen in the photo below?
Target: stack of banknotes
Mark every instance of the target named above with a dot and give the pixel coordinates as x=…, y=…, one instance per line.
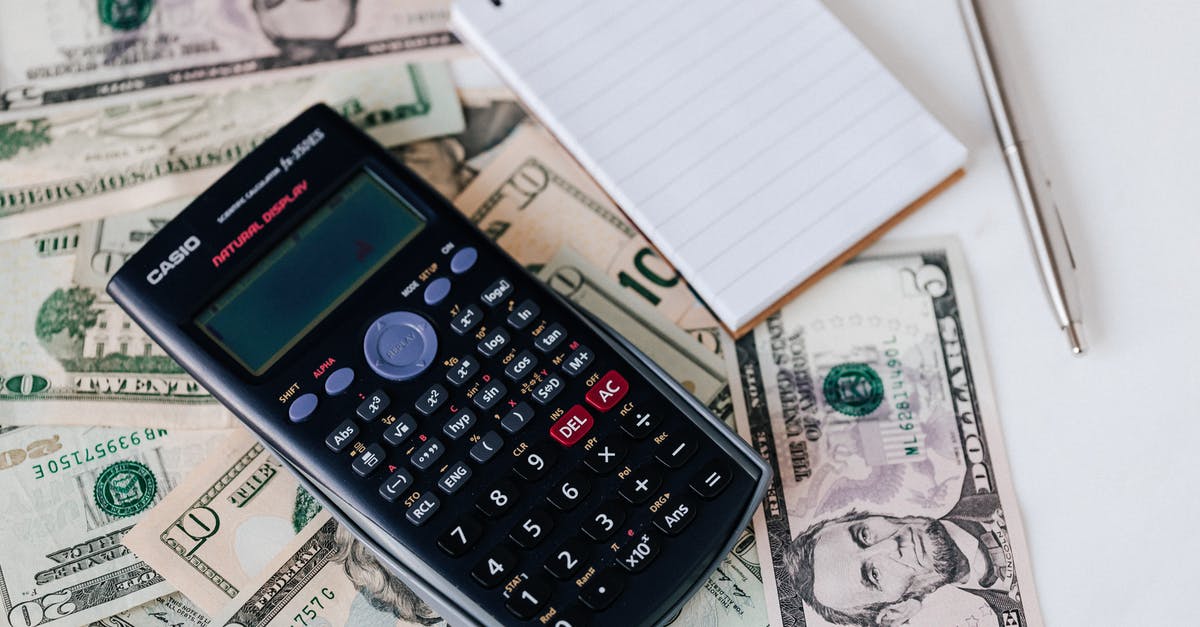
x=132, y=498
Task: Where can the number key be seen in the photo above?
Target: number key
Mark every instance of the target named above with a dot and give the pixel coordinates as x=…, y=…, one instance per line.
x=529, y=597
x=604, y=521
x=568, y=559
x=497, y=500
x=496, y=568
x=534, y=527
x=533, y=465
x=461, y=537
x=570, y=491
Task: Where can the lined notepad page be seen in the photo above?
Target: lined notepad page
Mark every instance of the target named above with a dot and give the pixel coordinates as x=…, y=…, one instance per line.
x=752, y=141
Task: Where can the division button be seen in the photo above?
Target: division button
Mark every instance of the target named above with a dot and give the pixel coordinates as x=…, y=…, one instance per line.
x=521, y=366
x=437, y=290
x=545, y=391
x=463, y=260
x=368, y=460
x=528, y=597
x=608, y=391
x=491, y=343
x=496, y=568
x=459, y=424
x=373, y=406
x=675, y=452
x=431, y=399
x=398, y=431
x=550, y=338
x=712, y=479
x=677, y=515
x=602, y=590
x=454, y=478
x=400, y=345
x=579, y=359
x=640, y=485
x=467, y=319
x=523, y=314
x=342, y=436
x=395, y=485
x=517, y=417
x=606, y=456
x=496, y=292
x=487, y=447
x=338, y=381
x=639, y=424
x=490, y=394
x=637, y=554
x=428, y=453
x=419, y=513
x=461, y=536
x=302, y=407
x=572, y=426
x=466, y=368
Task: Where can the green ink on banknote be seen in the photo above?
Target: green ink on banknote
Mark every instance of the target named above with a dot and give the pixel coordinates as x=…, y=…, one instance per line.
x=125, y=14
x=125, y=488
x=853, y=389
x=305, y=509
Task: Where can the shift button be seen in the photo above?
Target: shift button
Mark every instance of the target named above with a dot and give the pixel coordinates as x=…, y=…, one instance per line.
x=302, y=407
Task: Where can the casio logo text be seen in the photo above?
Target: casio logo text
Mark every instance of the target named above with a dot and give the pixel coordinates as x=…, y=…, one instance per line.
x=174, y=259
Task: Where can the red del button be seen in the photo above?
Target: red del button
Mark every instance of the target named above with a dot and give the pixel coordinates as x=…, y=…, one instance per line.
x=572, y=426
x=608, y=391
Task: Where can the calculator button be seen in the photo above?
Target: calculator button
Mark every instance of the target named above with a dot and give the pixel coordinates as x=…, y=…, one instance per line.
x=528, y=597
x=534, y=464
x=712, y=479
x=496, y=568
x=550, y=338
x=342, y=436
x=677, y=515
x=437, y=290
x=432, y=399
x=490, y=394
x=523, y=314
x=461, y=536
x=637, y=554
x=454, y=478
x=675, y=452
x=302, y=407
x=428, y=453
x=373, y=406
x=521, y=365
x=639, y=424
x=487, y=447
x=604, y=521
x=605, y=457
x=532, y=529
x=571, y=617
x=466, y=319
x=640, y=485
x=420, y=512
x=579, y=359
x=398, y=431
x=572, y=426
x=517, y=418
x=608, y=391
x=491, y=343
x=400, y=345
x=459, y=424
x=338, y=381
x=395, y=485
x=545, y=391
x=569, y=492
x=466, y=368
x=601, y=590
x=463, y=260
x=367, y=461
x=496, y=292
x=498, y=499
x=567, y=559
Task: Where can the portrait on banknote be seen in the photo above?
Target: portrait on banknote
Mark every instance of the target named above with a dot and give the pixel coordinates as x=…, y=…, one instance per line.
x=381, y=597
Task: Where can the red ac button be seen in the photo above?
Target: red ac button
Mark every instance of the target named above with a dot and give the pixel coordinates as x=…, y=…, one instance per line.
x=608, y=391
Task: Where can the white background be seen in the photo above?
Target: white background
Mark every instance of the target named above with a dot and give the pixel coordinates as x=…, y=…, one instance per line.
x=1105, y=449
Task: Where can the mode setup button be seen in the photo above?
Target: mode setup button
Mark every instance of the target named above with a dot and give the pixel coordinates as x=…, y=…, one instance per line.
x=400, y=345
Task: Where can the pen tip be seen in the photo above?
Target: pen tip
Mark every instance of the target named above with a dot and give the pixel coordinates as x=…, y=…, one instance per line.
x=1075, y=337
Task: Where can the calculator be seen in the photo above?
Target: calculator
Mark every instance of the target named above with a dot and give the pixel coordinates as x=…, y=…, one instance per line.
x=508, y=456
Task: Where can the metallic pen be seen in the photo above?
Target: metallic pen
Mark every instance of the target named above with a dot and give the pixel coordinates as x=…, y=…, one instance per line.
x=1046, y=233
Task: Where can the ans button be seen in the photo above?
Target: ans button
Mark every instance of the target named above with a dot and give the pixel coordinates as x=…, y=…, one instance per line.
x=302, y=407
x=463, y=260
x=400, y=345
x=338, y=381
x=437, y=290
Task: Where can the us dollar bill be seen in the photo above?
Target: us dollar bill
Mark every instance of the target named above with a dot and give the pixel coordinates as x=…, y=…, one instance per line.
x=532, y=199
x=81, y=165
x=229, y=519
x=60, y=53
x=173, y=610
x=891, y=502
x=325, y=577
x=72, y=493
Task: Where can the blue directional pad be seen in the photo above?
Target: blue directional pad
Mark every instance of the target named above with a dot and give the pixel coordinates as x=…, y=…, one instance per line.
x=400, y=345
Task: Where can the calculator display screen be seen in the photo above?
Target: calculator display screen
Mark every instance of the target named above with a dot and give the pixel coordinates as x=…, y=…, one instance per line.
x=295, y=285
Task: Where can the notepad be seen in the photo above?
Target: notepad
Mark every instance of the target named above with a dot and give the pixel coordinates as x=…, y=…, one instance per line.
x=756, y=143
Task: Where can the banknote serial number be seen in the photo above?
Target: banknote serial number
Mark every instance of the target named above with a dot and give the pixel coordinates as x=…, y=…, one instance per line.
x=309, y=611
x=97, y=452
x=899, y=397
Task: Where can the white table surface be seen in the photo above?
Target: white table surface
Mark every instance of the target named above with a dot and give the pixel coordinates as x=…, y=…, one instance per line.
x=1103, y=448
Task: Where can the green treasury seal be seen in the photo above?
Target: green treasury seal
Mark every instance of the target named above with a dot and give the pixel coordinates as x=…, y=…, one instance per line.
x=853, y=389
x=125, y=488
x=124, y=14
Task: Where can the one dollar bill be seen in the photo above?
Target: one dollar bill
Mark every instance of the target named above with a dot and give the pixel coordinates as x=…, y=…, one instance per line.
x=58, y=53
x=891, y=502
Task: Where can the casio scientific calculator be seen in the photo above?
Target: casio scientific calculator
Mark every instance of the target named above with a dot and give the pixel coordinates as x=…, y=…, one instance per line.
x=511, y=459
